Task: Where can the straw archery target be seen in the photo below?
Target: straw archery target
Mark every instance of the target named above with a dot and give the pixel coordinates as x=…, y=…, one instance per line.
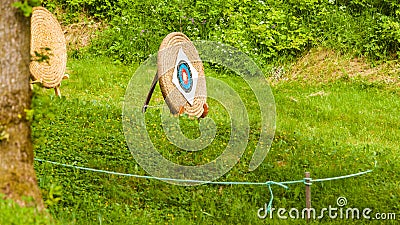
x=48, y=41
x=181, y=76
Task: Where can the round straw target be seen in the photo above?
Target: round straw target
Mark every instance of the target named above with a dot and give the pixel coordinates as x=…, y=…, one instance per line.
x=181, y=76
x=48, y=49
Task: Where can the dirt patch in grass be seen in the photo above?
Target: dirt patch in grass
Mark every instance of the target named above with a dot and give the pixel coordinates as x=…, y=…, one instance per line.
x=79, y=30
x=79, y=35
x=322, y=66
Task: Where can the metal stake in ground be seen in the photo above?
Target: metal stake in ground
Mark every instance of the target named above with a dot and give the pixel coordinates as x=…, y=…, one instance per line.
x=307, y=182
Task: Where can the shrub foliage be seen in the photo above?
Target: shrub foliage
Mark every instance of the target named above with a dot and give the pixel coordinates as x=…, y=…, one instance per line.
x=267, y=30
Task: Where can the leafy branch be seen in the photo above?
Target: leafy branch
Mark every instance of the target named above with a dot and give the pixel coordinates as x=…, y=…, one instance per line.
x=26, y=6
x=43, y=55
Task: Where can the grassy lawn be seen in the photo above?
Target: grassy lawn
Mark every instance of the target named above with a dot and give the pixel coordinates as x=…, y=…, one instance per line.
x=327, y=128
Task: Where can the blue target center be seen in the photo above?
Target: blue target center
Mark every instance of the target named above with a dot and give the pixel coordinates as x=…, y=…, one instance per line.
x=184, y=76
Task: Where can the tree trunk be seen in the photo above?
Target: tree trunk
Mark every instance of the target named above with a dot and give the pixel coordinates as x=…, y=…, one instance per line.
x=17, y=176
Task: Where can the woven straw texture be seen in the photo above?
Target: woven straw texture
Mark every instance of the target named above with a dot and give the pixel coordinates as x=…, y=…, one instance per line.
x=166, y=60
x=47, y=38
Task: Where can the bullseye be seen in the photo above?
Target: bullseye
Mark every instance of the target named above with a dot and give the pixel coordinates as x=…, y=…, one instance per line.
x=184, y=76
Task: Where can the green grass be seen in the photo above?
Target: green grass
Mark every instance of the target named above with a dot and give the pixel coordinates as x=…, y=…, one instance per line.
x=12, y=213
x=342, y=130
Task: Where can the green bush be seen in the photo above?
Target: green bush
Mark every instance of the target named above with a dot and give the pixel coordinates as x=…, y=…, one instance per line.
x=99, y=9
x=383, y=38
x=138, y=28
x=266, y=30
x=386, y=7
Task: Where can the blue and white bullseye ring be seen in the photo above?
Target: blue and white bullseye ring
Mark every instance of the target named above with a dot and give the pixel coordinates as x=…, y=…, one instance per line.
x=184, y=76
